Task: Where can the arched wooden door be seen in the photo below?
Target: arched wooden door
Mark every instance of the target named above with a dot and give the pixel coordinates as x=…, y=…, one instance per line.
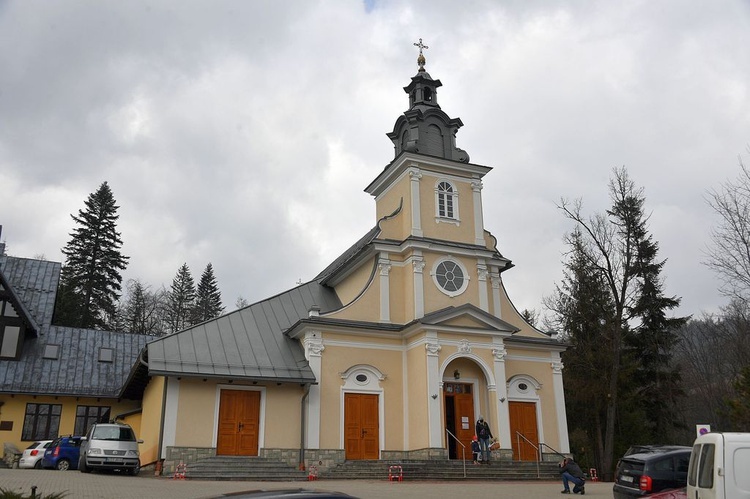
x=239, y=418
x=523, y=420
x=361, y=426
x=459, y=418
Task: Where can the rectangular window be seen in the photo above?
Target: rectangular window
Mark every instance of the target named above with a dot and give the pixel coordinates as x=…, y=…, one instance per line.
x=51, y=351
x=41, y=422
x=9, y=336
x=86, y=415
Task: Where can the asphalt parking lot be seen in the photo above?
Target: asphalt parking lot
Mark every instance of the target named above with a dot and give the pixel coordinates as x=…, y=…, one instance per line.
x=114, y=486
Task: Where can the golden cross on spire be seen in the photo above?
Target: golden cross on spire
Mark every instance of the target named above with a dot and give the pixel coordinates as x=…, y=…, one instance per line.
x=421, y=59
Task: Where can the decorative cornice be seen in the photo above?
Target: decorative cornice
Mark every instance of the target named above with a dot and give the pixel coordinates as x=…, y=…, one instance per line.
x=496, y=282
x=476, y=186
x=313, y=343
x=557, y=367
x=482, y=272
x=415, y=174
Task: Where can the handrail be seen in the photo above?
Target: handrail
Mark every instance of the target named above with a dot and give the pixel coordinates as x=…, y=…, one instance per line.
x=463, y=450
x=553, y=450
x=538, y=451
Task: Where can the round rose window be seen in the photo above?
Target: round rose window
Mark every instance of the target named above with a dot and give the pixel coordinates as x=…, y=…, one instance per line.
x=449, y=276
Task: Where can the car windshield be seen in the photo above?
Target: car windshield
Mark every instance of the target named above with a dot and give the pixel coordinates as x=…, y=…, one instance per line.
x=113, y=433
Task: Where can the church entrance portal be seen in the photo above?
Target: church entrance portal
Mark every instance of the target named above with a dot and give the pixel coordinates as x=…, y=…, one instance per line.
x=523, y=420
x=361, y=427
x=459, y=418
x=239, y=417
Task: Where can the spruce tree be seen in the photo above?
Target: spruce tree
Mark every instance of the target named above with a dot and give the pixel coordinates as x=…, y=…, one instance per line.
x=628, y=325
x=90, y=282
x=181, y=300
x=208, y=298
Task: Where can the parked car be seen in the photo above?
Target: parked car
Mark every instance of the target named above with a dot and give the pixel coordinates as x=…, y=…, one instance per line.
x=62, y=454
x=33, y=454
x=657, y=469
x=110, y=446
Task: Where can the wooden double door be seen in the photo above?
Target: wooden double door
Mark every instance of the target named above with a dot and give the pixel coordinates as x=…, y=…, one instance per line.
x=459, y=418
x=523, y=420
x=239, y=422
x=361, y=426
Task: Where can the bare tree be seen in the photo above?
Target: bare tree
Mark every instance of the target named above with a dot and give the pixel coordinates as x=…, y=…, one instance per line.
x=729, y=255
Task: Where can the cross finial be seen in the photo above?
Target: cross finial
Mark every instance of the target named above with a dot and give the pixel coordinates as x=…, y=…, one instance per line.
x=421, y=59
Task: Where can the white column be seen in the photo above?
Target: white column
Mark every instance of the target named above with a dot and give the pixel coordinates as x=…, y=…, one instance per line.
x=170, y=414
x=562, y=418
x=418, y=265
x=476, y=188
x=434, y=402
x=482, y=283
x=416, y=204
x=503, y=416
x=313, y=343
x=385, y=289
x=495, y=280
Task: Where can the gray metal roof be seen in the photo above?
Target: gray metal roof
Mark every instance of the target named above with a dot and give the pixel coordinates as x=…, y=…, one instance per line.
x=77, y=370
x=34, y=284
x=248, y=343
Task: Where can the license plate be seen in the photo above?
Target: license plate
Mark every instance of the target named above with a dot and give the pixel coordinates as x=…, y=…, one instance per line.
x=625, y=478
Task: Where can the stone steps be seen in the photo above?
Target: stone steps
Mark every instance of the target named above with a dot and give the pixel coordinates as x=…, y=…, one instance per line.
x=262, y=469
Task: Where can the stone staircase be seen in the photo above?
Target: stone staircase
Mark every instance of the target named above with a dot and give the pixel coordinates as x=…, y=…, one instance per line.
x=443, y=470
x=243, y=468
x=262, y=469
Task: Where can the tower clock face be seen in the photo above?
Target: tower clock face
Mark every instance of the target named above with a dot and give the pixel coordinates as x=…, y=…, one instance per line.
x=449, y=276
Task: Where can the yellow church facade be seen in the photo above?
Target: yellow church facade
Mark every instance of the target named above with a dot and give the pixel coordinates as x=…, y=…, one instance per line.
x=391, y=352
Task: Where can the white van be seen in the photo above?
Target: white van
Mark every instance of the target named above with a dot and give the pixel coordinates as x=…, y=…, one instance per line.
x=110, y=446
x=720, y=467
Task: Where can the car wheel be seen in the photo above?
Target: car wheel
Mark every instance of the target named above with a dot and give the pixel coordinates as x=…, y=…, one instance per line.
x=136, y=469
x=63, y=465
x=38, y=465
x=82, y=466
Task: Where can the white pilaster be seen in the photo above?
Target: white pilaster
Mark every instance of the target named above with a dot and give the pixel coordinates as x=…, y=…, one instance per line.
x=476, y=188
x=496, y=282
x=416, y=205
x=483, y=273
x=501, y=396
x=385, y=289
x=170, y=414
x=434, y=401
x=313, y=343
x=418, y=266
x=562, y=418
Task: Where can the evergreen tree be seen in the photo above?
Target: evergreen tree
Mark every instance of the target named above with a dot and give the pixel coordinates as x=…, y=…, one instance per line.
x=181, y=300
x=613, y=309
x=90, y=281
x=208, y=299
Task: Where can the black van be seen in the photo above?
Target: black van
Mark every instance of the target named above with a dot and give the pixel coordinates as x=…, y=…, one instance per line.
x=657, y=469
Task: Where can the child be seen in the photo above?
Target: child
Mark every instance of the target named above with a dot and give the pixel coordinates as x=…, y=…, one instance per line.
x=475, y=449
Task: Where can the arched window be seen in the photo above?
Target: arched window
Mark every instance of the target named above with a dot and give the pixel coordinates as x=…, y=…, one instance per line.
x=447, y=200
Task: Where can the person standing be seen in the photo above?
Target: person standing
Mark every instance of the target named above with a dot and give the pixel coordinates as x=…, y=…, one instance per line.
x=484, y=434
x=571, y=472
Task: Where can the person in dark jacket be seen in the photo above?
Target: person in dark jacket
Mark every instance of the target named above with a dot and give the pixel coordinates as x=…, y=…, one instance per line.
x=484, y=434
x=475, y=449
x=571, y=472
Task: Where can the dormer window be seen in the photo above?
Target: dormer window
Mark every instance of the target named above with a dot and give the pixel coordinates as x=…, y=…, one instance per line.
x=446, y=201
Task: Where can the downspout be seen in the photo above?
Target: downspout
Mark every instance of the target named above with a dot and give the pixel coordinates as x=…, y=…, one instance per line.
x=303, y=427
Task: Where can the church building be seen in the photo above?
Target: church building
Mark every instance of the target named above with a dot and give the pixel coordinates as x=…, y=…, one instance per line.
x=393, y=351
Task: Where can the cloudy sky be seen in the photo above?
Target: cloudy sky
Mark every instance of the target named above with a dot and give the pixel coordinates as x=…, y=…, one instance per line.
x=243, y=133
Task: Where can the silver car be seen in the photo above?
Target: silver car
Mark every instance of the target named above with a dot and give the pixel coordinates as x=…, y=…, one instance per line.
x=110, y=446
